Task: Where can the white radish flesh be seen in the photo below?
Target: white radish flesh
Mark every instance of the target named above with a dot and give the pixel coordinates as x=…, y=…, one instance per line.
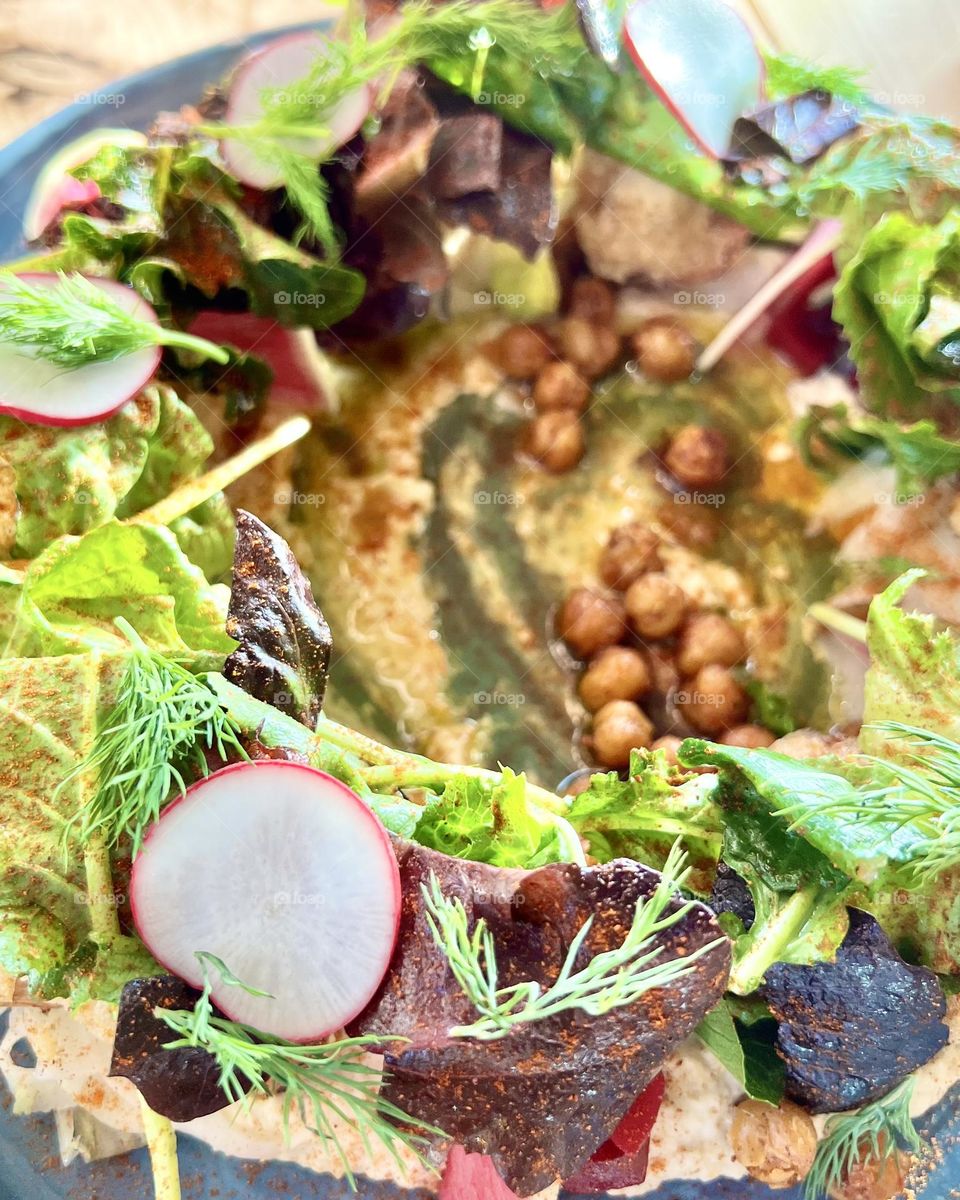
x=283, y=873
x=56, y=189
x=701, y=60
x=283, y=64
x=45, y=393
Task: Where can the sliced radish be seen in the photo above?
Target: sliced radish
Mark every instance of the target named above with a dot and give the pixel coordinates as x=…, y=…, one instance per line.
x=301, y=374
x=284, y=64
x=283, y=873
x=701, y=60
x=43, y=393
x=56, y=189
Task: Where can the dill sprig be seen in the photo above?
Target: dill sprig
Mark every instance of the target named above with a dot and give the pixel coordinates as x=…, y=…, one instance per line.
x=74, y=323
x=611, y=979
x=162, y=723
x=923, y=792
x=877, y=1131
x=319, y=1082
x=419, y=32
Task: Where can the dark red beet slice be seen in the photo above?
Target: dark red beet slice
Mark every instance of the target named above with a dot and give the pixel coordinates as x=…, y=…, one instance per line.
x=622, y=1159
x=597, y=1177
x=805, y=333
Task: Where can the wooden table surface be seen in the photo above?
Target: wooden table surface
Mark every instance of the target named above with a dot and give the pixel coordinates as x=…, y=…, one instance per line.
x=53, y=52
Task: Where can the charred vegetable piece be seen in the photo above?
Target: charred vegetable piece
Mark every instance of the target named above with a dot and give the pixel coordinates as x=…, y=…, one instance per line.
x=541, y=1098
x=521, y=209
x=285, y=643
x=179, y=1084
x=854, y=1028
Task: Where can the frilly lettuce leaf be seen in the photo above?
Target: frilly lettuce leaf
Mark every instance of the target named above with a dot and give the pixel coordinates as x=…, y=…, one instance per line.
x=640, y=817
x=67, y=600
x=470, y=819
x=70, y=480
x=914, y=673
x=898, y=300
x=58, y=922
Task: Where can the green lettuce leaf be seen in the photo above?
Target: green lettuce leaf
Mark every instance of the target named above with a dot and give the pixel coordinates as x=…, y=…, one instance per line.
x=747, y=1051
x=72, y=480
x=470, y=819
x=920, y=453
x=58, y=912
x=898, y=300
x=67, y=600
x=756, y=786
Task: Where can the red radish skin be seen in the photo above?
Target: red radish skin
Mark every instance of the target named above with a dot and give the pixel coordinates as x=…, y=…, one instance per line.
x=282, y=64
x=286, y=875
x=472, y=1177
x=299, y=376
x=700, y=59
x=43, y=393
x=56, y=189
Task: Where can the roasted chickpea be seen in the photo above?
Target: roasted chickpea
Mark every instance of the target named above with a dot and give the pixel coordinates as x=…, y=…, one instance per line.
x=559, y=386
x=691, y=524
x=664, y=349
x=593, y=349
x=618, y=728
x=713, y=701
x=631, y=551
x=592, y=300
x=522, y=351
x=773, y=1145
x=873, y=1178
x=556, y=440
x=589, y=621
x=709, y=638
x=669, y=744
x=698, y=457
x=750, y=737
x=655, y=605
x=617, y=673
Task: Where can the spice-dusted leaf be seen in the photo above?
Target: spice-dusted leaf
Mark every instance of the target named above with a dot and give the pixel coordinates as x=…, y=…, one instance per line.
x=852, y=1029
x=285, y=643
x=57, y=925
x=489, y=824
x=72, y=480
x=914, y=674
x=69, y=597
x=754, y=786
x=542, y=1098
x=762, y=793
x=180, y=1084
x=747, y=1051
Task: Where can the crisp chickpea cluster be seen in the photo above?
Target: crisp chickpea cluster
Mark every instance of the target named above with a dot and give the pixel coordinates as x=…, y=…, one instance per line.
x=642, y=641
x=561, y=363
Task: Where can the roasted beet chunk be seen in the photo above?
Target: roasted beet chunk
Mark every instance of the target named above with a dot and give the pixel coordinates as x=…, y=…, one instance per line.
x=178, y=1084
x=540, y=1100
x=850, y=1030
